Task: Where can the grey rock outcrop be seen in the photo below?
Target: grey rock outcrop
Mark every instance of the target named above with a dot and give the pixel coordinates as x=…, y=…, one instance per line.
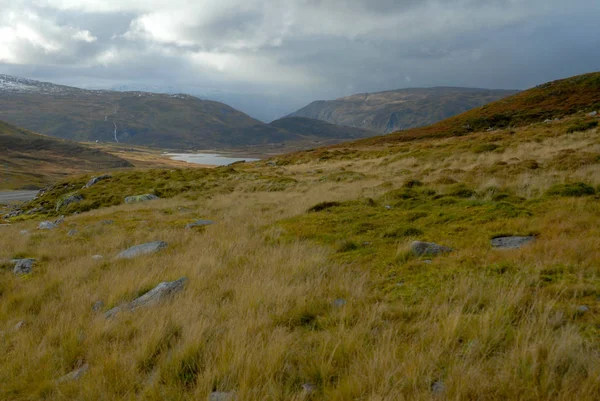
x=50, y=225
x=152, y=297
x=222, y=396
x=68, y=201
x=96, y=180
x=419, y=248
x=23, y=266
x=512, y=242
x=140, y=198
x=143, y=249
x=200, y=223
x=74, y=375
x=593, y=113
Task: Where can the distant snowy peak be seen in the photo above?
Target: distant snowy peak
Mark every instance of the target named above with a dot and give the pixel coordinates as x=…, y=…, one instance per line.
x=12, y=84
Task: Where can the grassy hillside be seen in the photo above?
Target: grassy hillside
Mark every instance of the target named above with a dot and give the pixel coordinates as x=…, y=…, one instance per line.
x=389, y=111
x=316, y=295
x=319, y=130
x=34, y=160
x=549, y=101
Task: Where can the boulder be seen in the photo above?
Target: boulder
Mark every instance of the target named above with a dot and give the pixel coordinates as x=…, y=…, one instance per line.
x=23, y=266
x=200, y=223
x=512, y=242
x=68, y=201
x=72, y=233
x=50, y=225
x=338, y=303
x=96, y=180
x=97, y=257
x=24, y=232
x=74, y=375
x=140, y=198
x=152, y=297
x=97, y=306
x=221, y=396
x=593, y=113
x=419, y=248
x=143, y=249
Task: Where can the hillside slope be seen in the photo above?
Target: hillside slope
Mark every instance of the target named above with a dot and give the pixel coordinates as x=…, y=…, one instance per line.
x=36, y=159
x=319, y=129
x=161, y=120
x=549, y=101
x=389, y=111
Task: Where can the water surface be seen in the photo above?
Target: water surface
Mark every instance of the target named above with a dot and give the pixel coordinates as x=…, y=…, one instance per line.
x=214, y=159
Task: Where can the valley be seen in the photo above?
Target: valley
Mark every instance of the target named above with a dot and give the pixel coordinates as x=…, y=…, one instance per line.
x=453, y=261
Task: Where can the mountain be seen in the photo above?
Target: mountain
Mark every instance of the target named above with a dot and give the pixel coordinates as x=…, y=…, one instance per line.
x=143, y=118
x=556, y=99
x=390, y=111
x=35, y=159
x=319, y=129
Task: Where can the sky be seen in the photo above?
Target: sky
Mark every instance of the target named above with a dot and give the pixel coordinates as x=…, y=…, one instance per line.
x=269, y=58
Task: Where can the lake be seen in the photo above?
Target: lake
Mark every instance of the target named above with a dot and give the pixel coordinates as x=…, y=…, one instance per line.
x=214, y=159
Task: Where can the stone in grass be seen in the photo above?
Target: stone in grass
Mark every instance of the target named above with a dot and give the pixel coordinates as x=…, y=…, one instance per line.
x=143, y=249
x=222, y=396
x=581, y=309
x=97, y=306
x=72, y=233
x=24, y=232
x=68, y=201
x=512, y=242
x=50, y=225
x=308, y=388
x=97, y=257
x=140, y=198
x=200, y=223
x=419, y=248
x=338, y=303
x=96, y=180
x=152, y=297
x=438, y=388
x=74, y=375
x=23, y=266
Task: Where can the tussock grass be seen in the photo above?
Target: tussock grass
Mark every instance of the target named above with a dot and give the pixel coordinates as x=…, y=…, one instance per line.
x=258, y=316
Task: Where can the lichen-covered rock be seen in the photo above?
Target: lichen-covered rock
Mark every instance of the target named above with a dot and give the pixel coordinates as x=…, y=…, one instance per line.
x=143, y=249
x=96, y=180
x=23, y=266
x=76, y=198
x=50, y=225
x=512, y=242
x=74, y=375
x=221, y=396
x=140, y=198
x=152, y=297
x=420, y=248
x=200, y=223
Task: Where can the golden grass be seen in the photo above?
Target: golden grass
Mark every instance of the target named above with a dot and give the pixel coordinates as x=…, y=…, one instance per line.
x=257, y=315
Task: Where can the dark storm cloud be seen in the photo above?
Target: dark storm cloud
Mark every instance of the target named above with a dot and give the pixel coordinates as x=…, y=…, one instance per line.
x=289, y=52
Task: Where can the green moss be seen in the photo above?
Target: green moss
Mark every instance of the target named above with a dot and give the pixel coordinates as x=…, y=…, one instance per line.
x=576, y=189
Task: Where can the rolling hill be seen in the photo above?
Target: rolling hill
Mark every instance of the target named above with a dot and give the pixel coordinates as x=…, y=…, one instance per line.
x=319, y=129
x=143, y=118
x=31, y=160
x=549, y=101
x=389, y=111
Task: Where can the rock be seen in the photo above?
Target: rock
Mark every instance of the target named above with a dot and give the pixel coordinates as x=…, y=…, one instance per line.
x=438, y=387
x=97, y=257
x=24, y=232
x=35, y=210
x=107, y=222
x=13, y=213
x=71, y=233
x=143, y=249
x=96, y=180
x=419, y=248
x=512, y=242
x=200, y=223
x=221, y=396
x=388, y=207
x=428, y=261
x=593, y=113
x=272, y=163
x=582, y=309
x=5, y=225
x=50, y=225
x=23, y=266
x=19, y=325
x=68, y=201
x=340, y=302
x=152, y=297
x=74, y=375
x=308, y=388
x=140, y=198
x=98, y=306
x=547, y=121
